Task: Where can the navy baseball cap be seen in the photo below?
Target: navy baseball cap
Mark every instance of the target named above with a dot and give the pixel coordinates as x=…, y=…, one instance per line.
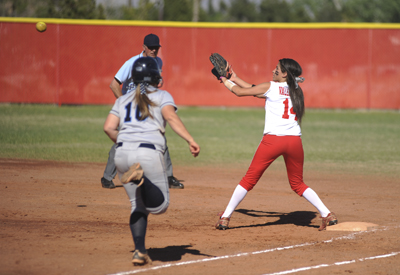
x=152, y=40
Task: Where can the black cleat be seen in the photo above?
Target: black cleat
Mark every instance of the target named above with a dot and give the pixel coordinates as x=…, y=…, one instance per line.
x=174, y=183
x=107, y=183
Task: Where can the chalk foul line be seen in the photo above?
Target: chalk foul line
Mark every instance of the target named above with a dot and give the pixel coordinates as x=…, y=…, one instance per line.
x=349, y=236
x=337, y=263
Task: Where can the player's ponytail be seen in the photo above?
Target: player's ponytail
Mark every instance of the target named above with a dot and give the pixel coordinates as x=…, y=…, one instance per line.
x=145, y=72
x=143, y=102
x=294, y=71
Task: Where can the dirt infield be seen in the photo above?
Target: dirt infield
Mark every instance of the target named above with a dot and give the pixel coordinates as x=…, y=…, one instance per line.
x=56, y=219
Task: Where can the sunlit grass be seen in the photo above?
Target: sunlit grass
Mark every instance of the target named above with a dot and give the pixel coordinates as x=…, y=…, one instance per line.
x=344, y=141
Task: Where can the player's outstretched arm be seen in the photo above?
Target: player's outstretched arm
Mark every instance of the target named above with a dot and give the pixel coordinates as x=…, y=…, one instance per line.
x=177, y=125
x=111, y=127
x=257, y=90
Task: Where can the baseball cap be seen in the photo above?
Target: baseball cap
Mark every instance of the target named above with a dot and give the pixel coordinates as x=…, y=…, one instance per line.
x=152, y=40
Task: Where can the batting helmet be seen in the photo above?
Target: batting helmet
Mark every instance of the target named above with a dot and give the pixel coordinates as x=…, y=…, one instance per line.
x=145, y=69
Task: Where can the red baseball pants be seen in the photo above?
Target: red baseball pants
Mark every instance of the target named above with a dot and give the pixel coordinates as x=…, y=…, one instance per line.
x=270, y=148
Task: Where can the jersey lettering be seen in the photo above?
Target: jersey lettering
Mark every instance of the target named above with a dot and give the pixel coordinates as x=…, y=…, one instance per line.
x=285, y=111
x=284, y=91
x=128, y=117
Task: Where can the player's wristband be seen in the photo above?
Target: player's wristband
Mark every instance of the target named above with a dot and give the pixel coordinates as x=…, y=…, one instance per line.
x=229, y=84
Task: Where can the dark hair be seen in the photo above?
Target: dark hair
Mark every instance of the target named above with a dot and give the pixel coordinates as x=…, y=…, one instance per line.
x=294, y=70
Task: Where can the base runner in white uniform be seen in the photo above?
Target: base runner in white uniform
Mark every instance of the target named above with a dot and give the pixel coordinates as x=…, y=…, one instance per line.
x=284, y=109
x=141, y=118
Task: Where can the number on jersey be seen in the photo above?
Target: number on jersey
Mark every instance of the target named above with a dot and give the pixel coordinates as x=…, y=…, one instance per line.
x=286, y=110
x=128, y=117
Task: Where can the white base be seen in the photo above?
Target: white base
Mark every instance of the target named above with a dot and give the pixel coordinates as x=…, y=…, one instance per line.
x=351, y=226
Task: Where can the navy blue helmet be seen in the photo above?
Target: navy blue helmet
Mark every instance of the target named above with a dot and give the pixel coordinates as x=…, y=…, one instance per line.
x=145, y=69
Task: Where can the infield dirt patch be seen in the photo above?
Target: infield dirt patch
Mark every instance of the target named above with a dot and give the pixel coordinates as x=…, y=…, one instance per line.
x=56, y=219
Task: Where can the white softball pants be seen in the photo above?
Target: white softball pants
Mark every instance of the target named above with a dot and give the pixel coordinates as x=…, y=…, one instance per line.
x=152, y=162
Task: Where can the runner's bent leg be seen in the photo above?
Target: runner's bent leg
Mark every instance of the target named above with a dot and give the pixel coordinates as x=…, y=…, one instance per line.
x=138, y=225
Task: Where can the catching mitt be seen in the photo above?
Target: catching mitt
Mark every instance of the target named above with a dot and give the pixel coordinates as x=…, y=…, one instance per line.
x=221, y=67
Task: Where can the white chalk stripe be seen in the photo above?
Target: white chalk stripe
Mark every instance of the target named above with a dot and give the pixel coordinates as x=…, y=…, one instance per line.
x=328, y=265
x=349, y=236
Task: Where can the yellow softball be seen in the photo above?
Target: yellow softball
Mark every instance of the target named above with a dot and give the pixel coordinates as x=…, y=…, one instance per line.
x=41, y=26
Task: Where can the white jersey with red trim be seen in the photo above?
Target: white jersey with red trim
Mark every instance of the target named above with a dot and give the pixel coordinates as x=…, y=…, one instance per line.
x=280, y=119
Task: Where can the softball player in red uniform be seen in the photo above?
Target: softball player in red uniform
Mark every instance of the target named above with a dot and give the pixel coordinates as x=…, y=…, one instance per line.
x=141, y=117
x=284, y=109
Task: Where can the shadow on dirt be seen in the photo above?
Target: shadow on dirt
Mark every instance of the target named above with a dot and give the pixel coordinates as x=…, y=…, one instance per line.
x=300, y=218
x=173, y=253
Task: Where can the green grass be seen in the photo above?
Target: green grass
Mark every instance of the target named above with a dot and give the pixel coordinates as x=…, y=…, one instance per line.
x=48, y=132
x=353, y=140
x=341, y=141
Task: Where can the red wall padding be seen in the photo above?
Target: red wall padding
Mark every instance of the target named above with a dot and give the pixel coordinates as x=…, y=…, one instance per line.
x=74, y=64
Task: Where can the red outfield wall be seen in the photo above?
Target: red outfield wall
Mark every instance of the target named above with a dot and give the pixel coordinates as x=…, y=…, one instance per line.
x=74, y=61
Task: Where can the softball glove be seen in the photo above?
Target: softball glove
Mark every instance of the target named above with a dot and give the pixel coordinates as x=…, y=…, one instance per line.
x=221, y=66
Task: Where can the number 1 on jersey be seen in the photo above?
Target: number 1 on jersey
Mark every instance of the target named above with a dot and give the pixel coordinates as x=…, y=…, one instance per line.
x=285, y=111
x=128, y=117
x=128, y=112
